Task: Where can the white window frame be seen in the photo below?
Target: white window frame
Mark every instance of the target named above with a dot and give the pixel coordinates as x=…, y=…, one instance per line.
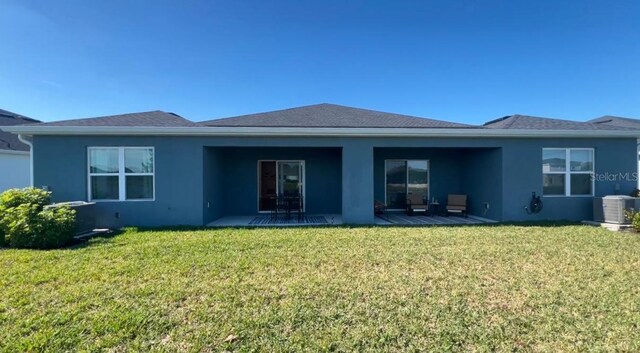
x=567, y=170
x=122, y=174
x=303, y=184
x=406, y=177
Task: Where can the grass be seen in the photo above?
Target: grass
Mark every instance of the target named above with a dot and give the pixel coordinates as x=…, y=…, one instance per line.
x=501, y=288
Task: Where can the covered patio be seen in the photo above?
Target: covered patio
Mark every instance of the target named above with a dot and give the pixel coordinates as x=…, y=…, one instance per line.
x=243, y=186
x=428, y=176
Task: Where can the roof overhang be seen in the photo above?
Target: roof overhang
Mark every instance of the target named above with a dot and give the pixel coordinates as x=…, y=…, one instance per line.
x=320, y=132
x=13, y=152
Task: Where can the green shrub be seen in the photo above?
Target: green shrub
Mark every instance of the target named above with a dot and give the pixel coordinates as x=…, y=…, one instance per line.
x=16, y=197
x=634, y=217
x=26, y=223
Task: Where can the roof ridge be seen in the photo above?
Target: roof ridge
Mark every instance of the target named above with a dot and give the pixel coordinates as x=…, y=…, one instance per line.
x=508, y=119
x=337, y=113
x=146, y=118
x=271, y=111
x=548, y=118
x=515, y=118
x=110, y=116
x=611, y=117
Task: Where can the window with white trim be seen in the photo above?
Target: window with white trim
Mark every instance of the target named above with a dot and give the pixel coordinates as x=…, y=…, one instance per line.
x=567, y=171
x=121, y=173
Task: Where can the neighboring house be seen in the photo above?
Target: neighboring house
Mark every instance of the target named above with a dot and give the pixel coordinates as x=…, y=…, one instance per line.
x=616, y=121
x=15, y=170
x=157, y=168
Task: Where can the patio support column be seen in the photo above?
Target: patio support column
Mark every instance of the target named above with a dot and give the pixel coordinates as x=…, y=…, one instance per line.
x=357, y=183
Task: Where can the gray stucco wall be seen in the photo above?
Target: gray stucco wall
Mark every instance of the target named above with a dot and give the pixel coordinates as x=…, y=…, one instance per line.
x=212, y=183
x=61, y=164
x=482, y=181
x=522, y=175
x=506, y=174
x=357, y=182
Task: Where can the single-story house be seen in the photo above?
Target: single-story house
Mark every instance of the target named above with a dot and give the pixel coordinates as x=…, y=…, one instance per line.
x=157, y=168
x=15, y=169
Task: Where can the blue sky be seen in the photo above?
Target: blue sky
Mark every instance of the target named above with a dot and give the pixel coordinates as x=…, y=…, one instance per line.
x=466, y=61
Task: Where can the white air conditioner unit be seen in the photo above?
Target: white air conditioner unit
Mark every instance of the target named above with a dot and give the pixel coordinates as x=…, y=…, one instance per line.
x=614, y=208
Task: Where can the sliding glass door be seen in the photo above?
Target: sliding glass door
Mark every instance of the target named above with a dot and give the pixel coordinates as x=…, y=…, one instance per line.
x=406, y=180
x=396, y=184
x=284, y=178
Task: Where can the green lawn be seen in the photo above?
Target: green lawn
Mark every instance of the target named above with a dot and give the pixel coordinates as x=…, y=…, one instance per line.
x=501, y=288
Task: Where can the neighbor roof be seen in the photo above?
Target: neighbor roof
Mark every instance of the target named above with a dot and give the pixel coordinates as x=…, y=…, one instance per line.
x=525, y=122
x=331, y=116
x=154, y=118
x=9, y=141
x=617, y=121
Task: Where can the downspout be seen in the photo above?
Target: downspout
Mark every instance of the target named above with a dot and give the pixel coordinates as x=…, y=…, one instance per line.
x=28, y=143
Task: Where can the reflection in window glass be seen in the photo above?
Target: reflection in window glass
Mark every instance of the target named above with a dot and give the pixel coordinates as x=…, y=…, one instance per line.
x=103, y=160
x=553, y=160
x=138, y=160
x=567, y=177
x=581, y=160
x=121, y=173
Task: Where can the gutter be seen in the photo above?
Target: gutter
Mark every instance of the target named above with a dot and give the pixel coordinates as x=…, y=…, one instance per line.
x=320, y=132
x=28, y=143
x=12, y=152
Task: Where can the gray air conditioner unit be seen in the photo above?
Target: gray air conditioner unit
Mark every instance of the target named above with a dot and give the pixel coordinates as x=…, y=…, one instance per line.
x=615, y=206
x=85, y=214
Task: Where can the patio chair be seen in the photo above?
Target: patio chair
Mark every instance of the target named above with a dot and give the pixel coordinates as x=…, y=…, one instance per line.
x=296, y=204
x=379, y=209
x=416, y=203
x=279, y=205
x=457, y=204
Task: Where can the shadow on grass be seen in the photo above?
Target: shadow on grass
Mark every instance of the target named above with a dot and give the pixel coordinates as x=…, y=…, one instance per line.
x=75, y=243
x=550, y=224
x=106, y=237
x=102, y=237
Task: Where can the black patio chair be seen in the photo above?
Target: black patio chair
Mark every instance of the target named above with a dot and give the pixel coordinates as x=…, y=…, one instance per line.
x=280, y=206
x=296, y=204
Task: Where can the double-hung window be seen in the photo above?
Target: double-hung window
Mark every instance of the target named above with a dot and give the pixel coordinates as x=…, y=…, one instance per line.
x=567, y=171
x=121, y=173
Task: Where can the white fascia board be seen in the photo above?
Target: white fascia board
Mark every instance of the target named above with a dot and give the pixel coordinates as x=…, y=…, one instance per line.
x=328, y=132
x=12, y=152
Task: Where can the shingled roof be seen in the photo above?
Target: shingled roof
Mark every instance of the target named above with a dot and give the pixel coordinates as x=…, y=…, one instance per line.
x=525, y=122
x=331, y=116
x=154, y=118
x=9, y=141
x=617, y=121
x=326, y=120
